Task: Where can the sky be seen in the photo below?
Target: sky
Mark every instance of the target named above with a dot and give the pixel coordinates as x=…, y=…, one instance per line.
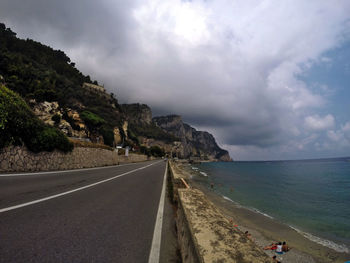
x=269, y=79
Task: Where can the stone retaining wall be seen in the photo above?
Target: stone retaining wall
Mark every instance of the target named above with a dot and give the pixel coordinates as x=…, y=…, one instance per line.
x=19, y=159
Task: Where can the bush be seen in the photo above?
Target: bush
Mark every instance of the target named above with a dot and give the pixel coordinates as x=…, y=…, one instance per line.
x=151, y=131
x=56, y=118
x=108, y=135
x=157, y=151
x=145, y=150
x=48, y=139
x=19, y=125
x=45, y=95
x=92, y=120
x=133, y=137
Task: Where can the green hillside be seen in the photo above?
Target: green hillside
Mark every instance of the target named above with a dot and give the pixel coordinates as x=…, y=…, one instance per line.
x=38, y=72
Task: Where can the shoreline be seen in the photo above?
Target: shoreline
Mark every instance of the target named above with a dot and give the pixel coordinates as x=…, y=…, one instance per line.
x=266, y=230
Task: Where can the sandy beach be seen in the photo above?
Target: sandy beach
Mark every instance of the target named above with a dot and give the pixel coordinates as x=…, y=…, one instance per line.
x=265, y=230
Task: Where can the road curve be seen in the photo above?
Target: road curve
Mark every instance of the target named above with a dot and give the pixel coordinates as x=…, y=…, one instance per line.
x=111, y=221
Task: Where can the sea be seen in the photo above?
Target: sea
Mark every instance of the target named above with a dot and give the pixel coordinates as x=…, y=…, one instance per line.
x=311, y=196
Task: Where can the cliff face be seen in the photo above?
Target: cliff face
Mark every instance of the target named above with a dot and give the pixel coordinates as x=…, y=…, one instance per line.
x=194, y=143
x=137, y=113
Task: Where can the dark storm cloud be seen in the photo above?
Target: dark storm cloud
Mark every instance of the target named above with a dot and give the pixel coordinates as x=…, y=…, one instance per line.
x=228, y=67
x=71, y=23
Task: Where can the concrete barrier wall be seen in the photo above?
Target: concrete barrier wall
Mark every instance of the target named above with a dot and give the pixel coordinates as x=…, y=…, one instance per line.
x=204, y=234
x=185, y=237
x=188, y=249
x=19, y=159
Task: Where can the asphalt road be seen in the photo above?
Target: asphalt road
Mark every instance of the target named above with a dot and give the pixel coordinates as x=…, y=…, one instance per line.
x=108, y=222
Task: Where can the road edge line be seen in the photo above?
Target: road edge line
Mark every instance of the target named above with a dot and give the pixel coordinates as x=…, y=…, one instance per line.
x=71, y=191
x=154, y=254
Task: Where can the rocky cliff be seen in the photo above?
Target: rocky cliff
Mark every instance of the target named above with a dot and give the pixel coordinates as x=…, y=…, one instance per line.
x=194, y=143
x=137, y=113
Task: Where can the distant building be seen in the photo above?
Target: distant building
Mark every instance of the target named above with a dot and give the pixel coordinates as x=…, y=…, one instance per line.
x=93, y=87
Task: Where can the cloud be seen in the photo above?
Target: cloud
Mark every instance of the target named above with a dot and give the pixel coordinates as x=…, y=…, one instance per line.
x=317, y=123
x=231, y=67
x=342, y=136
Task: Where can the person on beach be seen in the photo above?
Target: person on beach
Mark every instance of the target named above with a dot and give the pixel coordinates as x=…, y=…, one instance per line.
x=274, y=259
x=248, y=235
x=279, y=248
x=273, y=246
x=285, y=248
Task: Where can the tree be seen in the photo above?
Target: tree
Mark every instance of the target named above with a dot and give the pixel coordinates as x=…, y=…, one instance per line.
x=157, y=151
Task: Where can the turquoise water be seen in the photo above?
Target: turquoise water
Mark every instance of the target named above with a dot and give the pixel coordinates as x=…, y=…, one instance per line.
x=311, y=196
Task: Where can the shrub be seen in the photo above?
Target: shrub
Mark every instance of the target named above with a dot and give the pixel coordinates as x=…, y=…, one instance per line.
x=157, y=151
x=45, y=95
x=19, y=125
x=133, y=137
x=108, y=135
x=48, y=139
x=56, y=118
x=92, y=120
x=145, y=150
x=151, y=131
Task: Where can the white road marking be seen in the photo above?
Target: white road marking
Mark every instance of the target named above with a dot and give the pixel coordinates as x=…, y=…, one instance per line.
x=65, y=171
x=157, y=234
x=71, y=191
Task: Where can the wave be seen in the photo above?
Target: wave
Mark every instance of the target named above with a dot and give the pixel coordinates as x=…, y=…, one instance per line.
x=318, y=240
x=194, y=168
x=228, y=199
x=259, y=212
x=249, y=208
x=341, y=247
x=324, y=242
x=203, y=173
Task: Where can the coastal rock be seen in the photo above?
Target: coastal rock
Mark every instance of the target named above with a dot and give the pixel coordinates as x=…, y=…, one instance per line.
x=197, y=144
x=65, y=127
x=45, y=110
x=77, y=128
x=74, y=115
x=117, y=135
x=138, y=113
x=125, y=129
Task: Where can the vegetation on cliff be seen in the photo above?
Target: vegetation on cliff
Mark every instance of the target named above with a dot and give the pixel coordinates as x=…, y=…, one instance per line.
x=152, y=131
x=19, y=125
